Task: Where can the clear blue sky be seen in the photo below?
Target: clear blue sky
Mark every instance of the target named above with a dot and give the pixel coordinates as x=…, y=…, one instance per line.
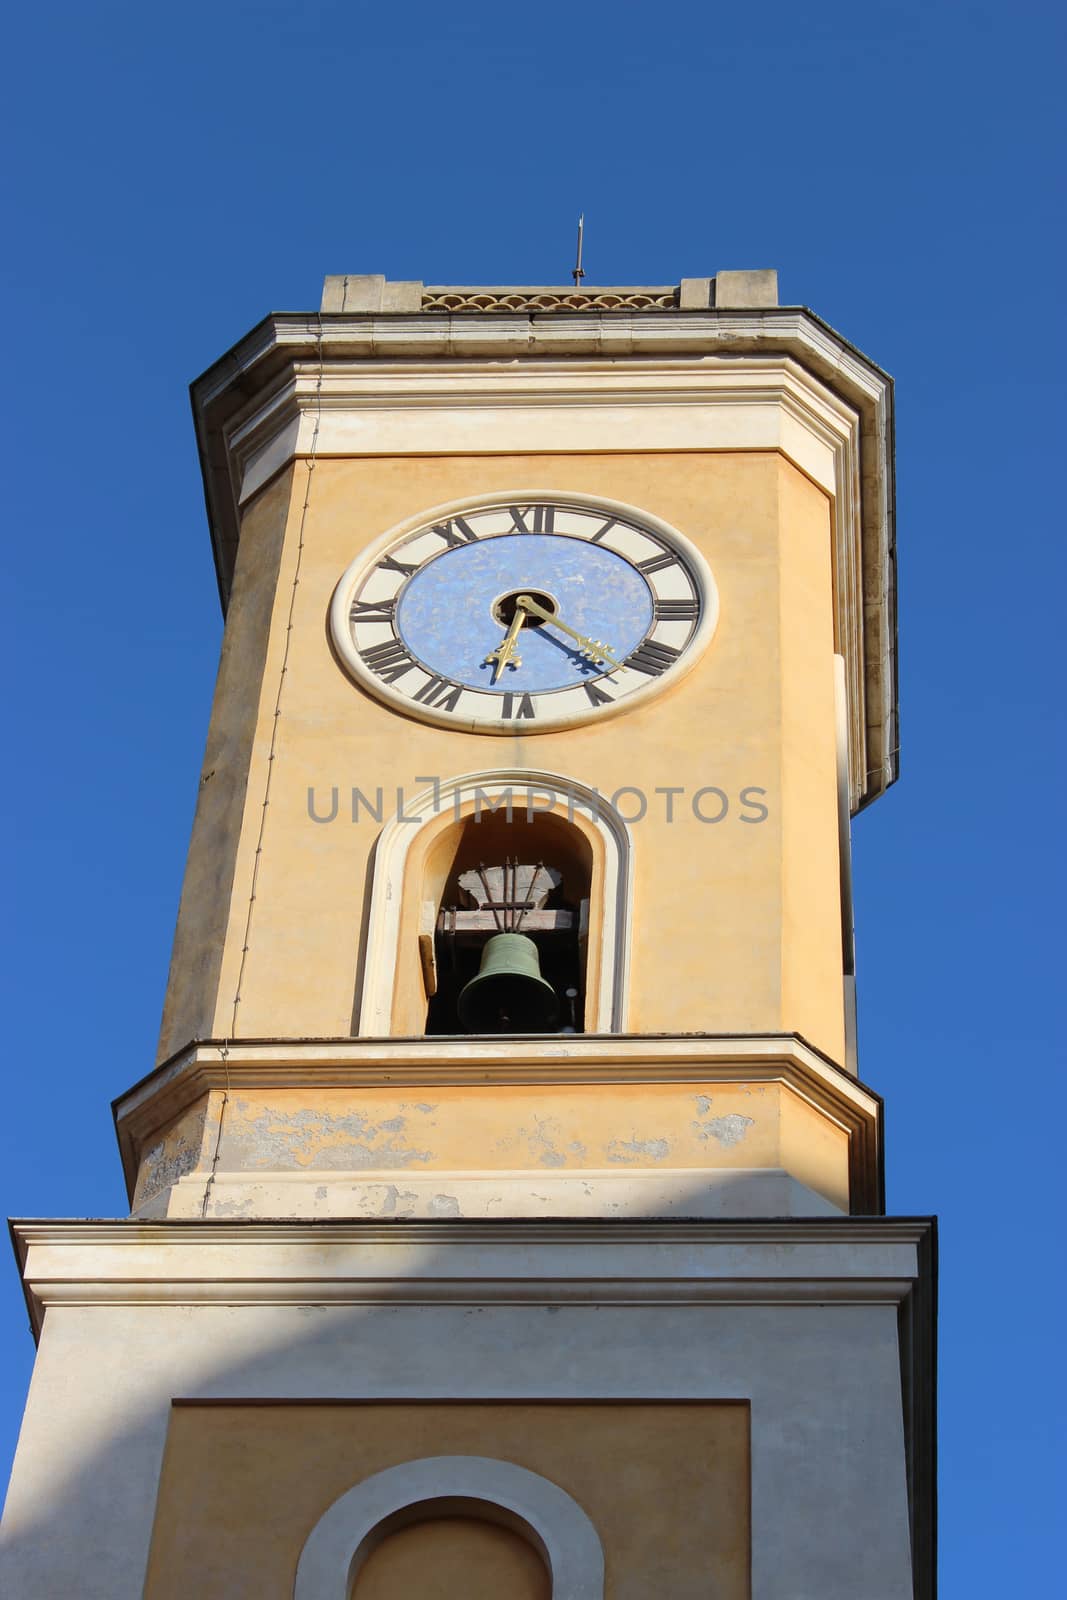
x=175, y=172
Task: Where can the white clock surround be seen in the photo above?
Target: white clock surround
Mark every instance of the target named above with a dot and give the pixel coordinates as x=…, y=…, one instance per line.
x=559, y=708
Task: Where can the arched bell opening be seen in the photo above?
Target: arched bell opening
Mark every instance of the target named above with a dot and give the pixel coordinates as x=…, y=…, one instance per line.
x=448, y=829
x=504, y=935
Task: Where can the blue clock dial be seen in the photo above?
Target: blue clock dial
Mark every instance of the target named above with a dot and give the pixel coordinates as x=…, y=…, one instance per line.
x=523, y=617
x=454, y=610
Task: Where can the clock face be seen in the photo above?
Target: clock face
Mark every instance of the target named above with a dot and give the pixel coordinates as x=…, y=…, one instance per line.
x=524, y=615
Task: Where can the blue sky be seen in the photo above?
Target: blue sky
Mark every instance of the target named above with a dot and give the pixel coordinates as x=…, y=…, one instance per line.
x=173, y=173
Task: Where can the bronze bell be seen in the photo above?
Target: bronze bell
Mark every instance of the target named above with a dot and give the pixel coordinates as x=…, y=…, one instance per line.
x=508, y=994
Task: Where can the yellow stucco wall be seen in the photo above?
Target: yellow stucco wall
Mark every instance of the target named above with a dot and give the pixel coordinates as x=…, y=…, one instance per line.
x=736, y=926
x=203, y=917
x=665, y=1485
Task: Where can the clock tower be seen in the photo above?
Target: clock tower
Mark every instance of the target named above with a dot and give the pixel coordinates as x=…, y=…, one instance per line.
x=506, y=1206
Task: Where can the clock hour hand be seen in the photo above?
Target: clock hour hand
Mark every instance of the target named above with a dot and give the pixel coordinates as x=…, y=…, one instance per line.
x=504, y=654
x=593, y=649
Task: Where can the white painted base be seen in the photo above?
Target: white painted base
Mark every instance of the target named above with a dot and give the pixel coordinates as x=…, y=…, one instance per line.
x=799, y=1319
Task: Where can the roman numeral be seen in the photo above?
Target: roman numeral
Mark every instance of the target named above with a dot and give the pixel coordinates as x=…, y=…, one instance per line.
x=372, y=610
x=518, y=706
x=605, y=528
x=456, y=532
x=657, y=563
x=675, y=610
x=597, y=697
x=391, y=564
x=440, y=692
x=532, y=519
x=389, y=660
x=652, y=658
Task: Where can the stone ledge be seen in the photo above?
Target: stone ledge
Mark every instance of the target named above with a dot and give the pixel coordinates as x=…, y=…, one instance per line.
x=537, y=1195
x=801, y=1260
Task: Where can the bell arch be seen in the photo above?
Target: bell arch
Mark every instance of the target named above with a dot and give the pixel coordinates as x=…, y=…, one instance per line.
x=539, y=1510
x=532, y=804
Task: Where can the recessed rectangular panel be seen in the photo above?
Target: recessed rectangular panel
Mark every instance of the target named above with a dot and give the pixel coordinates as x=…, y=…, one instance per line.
x=666, y=1485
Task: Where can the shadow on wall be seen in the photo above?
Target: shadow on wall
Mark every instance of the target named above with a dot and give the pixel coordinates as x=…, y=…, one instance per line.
x=204, y=1442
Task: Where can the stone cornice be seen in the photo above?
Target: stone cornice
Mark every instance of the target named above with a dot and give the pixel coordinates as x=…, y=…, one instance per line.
x=253, y=412
x=858, y=1260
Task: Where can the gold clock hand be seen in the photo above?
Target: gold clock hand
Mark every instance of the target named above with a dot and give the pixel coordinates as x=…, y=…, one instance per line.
x=505, y=650
x=594, y=649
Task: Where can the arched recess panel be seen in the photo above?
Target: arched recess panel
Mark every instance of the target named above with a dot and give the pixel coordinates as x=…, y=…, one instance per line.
x=529, y=816
x=438, y=1558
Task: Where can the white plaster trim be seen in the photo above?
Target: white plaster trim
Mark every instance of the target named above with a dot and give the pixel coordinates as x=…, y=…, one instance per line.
x=541, y=1511
x=607, y=1007
x=356, y=571
x=706, y=403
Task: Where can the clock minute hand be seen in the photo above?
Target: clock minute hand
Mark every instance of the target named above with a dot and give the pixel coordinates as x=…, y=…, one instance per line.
x=594, y=649
x=504, y=654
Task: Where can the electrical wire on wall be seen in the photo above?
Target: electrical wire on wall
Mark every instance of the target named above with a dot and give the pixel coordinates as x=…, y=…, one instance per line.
x=224, y=1046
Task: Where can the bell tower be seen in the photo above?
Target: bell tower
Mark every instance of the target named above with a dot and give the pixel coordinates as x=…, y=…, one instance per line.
x=506, y=1206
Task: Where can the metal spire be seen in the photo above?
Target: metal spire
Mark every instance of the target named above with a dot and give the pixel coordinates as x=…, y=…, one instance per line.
x=578, y=273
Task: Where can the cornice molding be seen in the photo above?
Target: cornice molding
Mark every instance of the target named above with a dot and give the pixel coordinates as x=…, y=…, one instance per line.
x=514, y=1058
x=382, y=383
x=802, y=1261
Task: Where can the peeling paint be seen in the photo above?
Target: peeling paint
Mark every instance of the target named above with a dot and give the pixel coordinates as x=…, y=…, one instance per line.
x=396, y=1202
x=703, y=1104
x=540, y=1141
x=384, y=1200
x=444, y=1205
x=172, y=1157
x=727, y=1130
x=317, y=1139
x=626, y=1152
x=160, y=1169
x=232, y=1208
